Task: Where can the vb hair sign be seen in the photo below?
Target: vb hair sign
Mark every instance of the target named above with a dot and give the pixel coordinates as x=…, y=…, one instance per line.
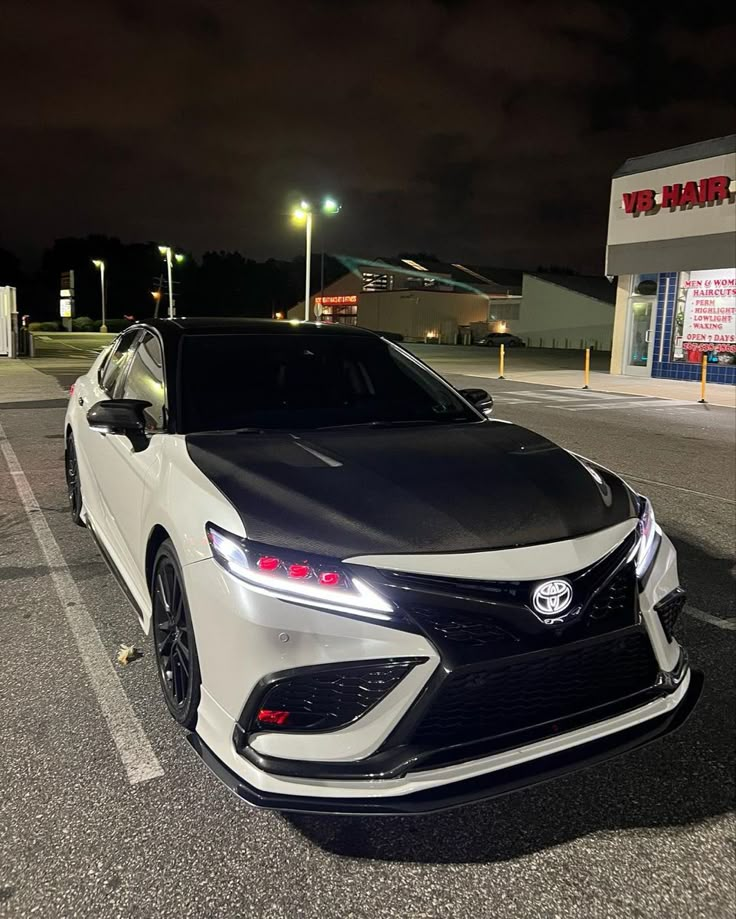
x=680, y=194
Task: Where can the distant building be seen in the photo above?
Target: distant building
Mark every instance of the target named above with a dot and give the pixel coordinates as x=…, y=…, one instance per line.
x=672, y=244
x=454, y=303
x=427, y=301
x=566, y=311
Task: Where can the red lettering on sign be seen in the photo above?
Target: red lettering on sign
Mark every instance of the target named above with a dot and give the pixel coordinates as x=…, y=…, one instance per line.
x=629, y=201
x=645, y=200
x=689, y=194
x=671, y=195
x=718, y=188
x=713, y=188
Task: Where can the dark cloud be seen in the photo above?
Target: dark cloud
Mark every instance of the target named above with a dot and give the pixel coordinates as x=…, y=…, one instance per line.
x=480, y=130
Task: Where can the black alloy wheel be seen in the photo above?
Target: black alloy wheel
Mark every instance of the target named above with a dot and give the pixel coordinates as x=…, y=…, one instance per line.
x=173, y=636
x=73, y=486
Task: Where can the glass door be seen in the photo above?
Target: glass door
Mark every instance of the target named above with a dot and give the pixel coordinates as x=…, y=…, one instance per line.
x=640, y=327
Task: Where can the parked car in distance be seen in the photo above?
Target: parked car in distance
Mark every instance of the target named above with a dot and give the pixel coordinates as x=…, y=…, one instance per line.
x=496, y=339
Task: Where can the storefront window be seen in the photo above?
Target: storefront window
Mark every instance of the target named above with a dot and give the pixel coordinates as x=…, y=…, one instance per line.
x=645, y=285
x=342, y=309
x=705, y=317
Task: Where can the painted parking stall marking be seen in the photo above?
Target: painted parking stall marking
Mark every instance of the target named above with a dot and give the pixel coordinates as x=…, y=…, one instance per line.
x=136, y=753
x=572, y=400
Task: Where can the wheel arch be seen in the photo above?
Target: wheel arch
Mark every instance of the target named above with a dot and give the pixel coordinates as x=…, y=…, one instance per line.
x=158, y=535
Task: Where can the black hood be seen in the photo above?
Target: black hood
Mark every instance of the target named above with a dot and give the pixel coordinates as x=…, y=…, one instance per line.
x=366, y=491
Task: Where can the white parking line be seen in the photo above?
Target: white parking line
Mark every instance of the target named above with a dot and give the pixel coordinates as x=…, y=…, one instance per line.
x=728, y=624
x=136, y=752
x=690, y=491
x=644, y=402
x=571, y=400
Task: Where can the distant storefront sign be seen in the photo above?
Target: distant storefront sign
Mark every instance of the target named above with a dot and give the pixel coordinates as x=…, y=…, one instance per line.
x=336, y=301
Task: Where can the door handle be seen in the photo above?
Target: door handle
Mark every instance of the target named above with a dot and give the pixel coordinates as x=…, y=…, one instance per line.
x=648, y=336
x=80, y=400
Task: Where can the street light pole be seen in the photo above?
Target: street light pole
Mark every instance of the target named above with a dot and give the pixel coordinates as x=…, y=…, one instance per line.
x=170, y=255
x=100, y=265
x=308, y=266
x=172, y=311
x=304, y=212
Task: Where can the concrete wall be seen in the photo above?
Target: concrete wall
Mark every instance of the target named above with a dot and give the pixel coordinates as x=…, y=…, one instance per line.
x=418, y=313
x=7, y=309
x=619, y=324
x=558, y=317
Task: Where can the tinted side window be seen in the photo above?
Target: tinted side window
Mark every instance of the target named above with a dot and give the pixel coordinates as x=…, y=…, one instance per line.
x=118, y=359
x=145, y=380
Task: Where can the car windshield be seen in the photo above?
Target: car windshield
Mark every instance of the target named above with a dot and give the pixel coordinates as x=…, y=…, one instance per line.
x=235, y=381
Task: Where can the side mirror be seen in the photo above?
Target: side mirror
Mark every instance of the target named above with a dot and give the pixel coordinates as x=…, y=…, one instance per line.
x=120, y=416
x=479, y=398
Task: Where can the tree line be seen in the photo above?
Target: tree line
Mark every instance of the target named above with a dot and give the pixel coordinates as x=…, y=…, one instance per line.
x=216, y=284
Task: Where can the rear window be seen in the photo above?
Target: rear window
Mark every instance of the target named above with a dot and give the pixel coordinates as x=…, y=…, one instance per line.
x=307, y=381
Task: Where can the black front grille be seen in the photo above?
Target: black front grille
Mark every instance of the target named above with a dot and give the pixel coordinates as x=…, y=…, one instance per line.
x=504, y=628
x=544, y=688
x=465, y=628
x=321, y=699
x=669, y=610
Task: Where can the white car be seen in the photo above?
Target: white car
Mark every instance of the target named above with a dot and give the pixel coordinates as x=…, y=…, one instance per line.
x=342, y=620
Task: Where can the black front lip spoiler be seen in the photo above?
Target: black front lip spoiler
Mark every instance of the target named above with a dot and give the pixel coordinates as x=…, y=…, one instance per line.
x=467, y=791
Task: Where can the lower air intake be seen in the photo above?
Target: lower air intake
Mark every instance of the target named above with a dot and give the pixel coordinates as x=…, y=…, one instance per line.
x=478, y=703
x=321, y=699
x=669, y=610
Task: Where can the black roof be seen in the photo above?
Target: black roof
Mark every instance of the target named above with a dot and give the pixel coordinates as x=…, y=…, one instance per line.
x=718, y=146
x=218, y=325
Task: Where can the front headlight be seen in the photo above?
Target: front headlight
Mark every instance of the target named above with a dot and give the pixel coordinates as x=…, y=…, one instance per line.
x=649, y=536
x=310, y=580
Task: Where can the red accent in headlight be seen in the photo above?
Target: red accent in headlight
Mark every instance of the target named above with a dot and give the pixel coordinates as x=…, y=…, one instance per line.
x=299, y=571
x=71, y=390
x=329, y=578
x=273, y=716
x=268, y=563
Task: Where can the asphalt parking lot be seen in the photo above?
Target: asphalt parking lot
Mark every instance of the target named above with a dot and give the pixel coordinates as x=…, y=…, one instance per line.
x=649, y=835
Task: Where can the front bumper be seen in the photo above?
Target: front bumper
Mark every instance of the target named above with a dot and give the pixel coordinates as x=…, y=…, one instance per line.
x=479, y=788
x=368, y=766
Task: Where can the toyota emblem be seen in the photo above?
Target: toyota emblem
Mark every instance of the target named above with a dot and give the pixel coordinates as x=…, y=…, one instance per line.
x=552, y=598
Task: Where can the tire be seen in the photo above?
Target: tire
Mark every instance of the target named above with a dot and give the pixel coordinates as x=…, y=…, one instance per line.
x=173, y=639
x=73, y=485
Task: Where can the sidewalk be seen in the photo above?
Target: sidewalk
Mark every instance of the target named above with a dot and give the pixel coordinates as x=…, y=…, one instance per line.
x=715, y=393
x=20, y=382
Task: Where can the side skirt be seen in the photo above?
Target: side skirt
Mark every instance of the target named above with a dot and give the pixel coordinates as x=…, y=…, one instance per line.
x=116, y=573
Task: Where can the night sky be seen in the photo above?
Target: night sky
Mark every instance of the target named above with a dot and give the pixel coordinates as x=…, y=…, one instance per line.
x=483, y=132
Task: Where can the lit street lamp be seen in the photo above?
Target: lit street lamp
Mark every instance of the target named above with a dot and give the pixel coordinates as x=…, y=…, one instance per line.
x=100, y=266
x=304, y=213
x=169, y=254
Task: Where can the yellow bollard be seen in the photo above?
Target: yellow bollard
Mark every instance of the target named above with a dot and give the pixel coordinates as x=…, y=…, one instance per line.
x=587, y=368
x=501, y=359
x=703, y=375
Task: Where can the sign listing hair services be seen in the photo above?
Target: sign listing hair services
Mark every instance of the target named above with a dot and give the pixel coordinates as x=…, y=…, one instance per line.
x=710, y=307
